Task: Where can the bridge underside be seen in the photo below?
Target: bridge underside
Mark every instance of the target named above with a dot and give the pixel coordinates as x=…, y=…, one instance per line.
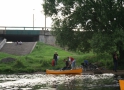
x=27, y=34
x=23, y=38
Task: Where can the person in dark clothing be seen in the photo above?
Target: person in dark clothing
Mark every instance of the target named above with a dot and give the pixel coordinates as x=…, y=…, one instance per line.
x=85, y=64
x=67, y=65
x=115, y=61
x=55, y=57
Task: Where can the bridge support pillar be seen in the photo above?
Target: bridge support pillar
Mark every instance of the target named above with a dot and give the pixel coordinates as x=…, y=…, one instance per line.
x=48, y=39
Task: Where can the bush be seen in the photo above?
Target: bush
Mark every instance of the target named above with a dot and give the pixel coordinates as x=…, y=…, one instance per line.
x=30, y=70
x=6, y=70
x=44, y=63
x=18, y=64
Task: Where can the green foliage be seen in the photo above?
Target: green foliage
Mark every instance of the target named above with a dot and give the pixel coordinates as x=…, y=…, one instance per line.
x=44, y=63
x=18, y=64
x=85, y=25
x=3, y=55
x=6, y=70
x=30, y=70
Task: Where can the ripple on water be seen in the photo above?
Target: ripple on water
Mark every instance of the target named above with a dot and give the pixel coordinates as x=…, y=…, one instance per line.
x=29, y=81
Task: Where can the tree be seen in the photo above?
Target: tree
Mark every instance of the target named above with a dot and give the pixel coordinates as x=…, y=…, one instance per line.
x=88, y=24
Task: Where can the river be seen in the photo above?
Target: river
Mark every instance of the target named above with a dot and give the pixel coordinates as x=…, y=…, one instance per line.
x=57, y=82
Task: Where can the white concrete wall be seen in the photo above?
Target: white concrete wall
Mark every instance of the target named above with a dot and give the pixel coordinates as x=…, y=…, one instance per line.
x=2, y=43
x=48, y=39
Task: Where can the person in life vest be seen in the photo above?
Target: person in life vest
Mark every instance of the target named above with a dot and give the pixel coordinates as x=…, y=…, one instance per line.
x=53, y=62
x=72, y=62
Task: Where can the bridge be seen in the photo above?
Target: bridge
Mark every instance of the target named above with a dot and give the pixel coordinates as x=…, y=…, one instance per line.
x=24, y=30
x=25, y=34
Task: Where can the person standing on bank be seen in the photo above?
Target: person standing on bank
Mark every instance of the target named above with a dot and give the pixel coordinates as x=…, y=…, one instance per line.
x=72, y=62
x=115, y=61
x=55, y=57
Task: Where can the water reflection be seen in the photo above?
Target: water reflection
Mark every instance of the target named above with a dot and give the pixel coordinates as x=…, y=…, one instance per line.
x=60, y=82
x=92, y=82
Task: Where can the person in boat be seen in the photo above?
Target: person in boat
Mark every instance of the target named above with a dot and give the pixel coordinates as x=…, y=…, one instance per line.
x=67, y=65
x=72, y=62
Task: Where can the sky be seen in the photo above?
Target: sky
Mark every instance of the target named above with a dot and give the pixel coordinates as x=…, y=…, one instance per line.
x=20, y=13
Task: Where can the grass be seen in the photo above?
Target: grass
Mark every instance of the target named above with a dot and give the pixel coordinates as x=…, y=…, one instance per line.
x=41, y=57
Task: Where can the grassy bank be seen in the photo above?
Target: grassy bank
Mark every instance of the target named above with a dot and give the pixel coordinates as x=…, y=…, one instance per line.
x=41, y=57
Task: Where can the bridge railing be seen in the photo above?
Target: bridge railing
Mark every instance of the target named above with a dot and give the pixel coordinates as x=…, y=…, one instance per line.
x=24, y=28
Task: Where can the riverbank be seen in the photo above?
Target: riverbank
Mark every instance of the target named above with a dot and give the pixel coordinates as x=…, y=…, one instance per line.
x=119, y=72
x=40, y=60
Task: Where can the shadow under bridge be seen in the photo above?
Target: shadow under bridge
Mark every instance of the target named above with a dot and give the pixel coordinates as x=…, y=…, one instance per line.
x=24, y=34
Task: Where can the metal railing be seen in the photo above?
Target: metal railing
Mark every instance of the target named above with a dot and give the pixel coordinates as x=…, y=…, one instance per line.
x=24, y=28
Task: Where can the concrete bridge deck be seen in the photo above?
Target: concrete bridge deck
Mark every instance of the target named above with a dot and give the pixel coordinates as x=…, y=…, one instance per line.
x=28, y=34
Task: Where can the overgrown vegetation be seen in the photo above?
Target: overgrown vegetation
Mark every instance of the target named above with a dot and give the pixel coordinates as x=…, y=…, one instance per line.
x=41, y=57
x=86, y=25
